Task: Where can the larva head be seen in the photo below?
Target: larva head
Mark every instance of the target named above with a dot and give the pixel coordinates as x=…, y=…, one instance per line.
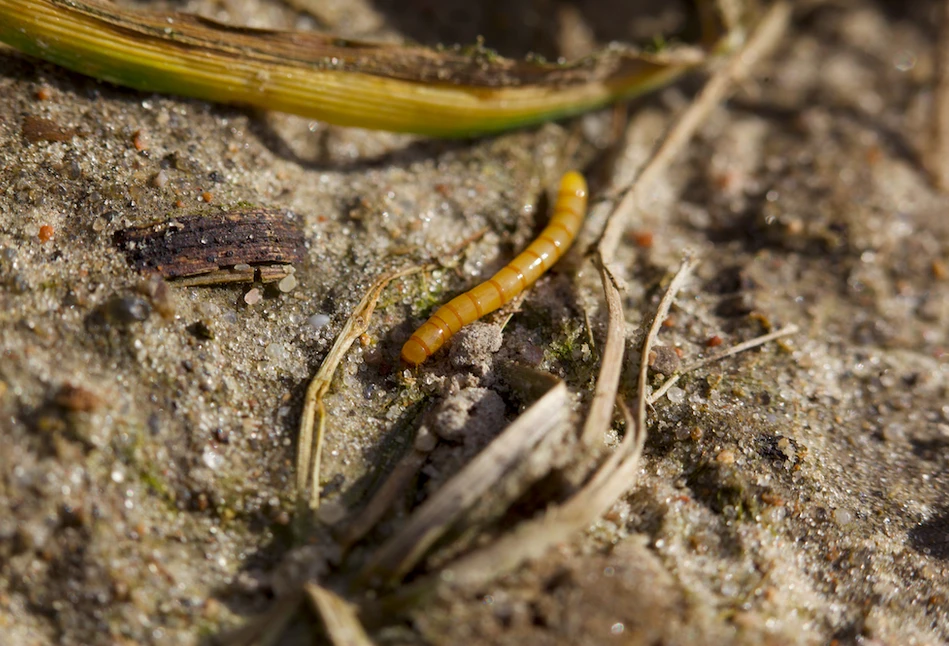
x=573, y=182
x=414, y=353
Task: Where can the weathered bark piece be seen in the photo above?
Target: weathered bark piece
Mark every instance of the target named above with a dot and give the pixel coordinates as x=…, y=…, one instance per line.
x=235, y=241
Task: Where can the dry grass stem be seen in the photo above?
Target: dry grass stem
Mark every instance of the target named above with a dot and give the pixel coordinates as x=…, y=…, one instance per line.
x=530, y=384
x=764, y=37
x=688, y=265
x=338, y=616
x=314, y=415
x=400, y=553
x=532, y=538
x=267, y=629
x=393, y=487
x=715, y=91
x=735, y=349
x=607, y=383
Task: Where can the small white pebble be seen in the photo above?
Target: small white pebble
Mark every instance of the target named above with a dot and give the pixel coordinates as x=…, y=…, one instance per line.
x=287, y=283
x=160, y=179
x=676, y=395
x=276, y=351
x=212, y=459
x=843, y=516
x=317, y=321
x=253, y=296
x=425, y=440
x=331, y=512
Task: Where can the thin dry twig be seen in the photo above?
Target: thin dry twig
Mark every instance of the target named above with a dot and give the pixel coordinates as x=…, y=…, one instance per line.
x=338, y=615
x=400, y=553
x=607, y=383
x=735, y=349
x=309, y=451
x=589, y=330
x=632, y=442
x=267, y=629
x=688, y=266
x=765, y=37
x=393, y=487
x=532, y=386
x=532, y=538
x=715, y=91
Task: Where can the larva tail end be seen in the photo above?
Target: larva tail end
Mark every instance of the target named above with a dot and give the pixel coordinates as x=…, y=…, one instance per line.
x=573, y=182
x=413, y=353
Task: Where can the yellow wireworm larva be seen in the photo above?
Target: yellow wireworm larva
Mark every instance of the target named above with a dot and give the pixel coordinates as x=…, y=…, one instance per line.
x=527, y=267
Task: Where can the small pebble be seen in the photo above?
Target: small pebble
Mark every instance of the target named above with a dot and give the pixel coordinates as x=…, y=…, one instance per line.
x=212, y=609
x=317, y=321
x=18, y=284
x=331, y=512
x=785, y=446
x=663, y=359
x=140, y=140
x=157, y=290
x=212, y=459
x=676, y=395
x=46, y=233
x=425, y=440
x=725, y=457
x=207, y=196
x=276, y=351
x=939, y=270
x=73, y=169
x=44, y=94
x=643, y=239
x=843, y=516
x=160, y=179
x=253, y=296
x=287, y=283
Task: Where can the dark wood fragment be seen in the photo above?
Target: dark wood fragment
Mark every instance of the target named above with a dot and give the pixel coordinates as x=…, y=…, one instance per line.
x=36, y=129
x=191, y=245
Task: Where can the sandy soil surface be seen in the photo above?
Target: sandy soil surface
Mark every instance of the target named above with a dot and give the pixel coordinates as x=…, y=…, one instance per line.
x=795, y=494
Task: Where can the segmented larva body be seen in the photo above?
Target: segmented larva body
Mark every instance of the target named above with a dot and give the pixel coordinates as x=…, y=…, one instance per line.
x=526, y=268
